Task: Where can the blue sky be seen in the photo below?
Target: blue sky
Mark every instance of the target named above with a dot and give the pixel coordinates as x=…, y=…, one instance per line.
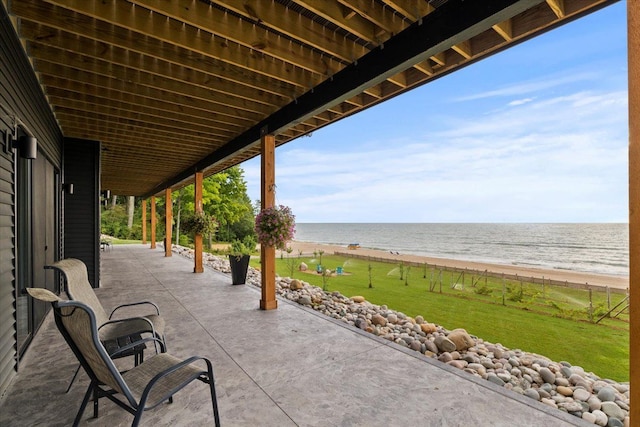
x=537, y=133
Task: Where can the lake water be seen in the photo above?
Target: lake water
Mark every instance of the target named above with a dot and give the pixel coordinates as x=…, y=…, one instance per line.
x=589, y=248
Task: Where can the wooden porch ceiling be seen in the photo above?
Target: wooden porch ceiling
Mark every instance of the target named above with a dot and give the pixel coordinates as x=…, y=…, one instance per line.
x=171, y=87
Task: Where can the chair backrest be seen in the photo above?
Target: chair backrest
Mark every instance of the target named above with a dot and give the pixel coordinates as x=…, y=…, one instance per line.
x=77, y=323
x=78, y=287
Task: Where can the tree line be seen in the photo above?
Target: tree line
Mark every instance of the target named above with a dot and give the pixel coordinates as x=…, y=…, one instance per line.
x=224, y=196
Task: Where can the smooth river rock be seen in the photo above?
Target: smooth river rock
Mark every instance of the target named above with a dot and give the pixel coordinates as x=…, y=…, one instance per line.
x=547, y=376
x=444, y=344
x=461, y=339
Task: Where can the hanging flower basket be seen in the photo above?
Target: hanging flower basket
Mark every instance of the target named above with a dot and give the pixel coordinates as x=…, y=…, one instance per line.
x=200, y=223
x=275, y=226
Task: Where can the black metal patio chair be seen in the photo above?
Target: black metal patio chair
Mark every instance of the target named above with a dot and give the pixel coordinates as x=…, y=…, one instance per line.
x=143, y=387
x=113, y=333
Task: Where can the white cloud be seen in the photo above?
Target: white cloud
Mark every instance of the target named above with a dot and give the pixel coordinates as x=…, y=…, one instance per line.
x=555, y=159
x=533, y=86
x=517, y=102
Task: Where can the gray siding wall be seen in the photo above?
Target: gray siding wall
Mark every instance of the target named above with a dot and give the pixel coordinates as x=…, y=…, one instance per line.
x=21, y=94
x=7, y=270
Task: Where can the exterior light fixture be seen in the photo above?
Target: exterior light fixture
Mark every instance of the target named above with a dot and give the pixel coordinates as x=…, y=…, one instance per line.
x=27, y=146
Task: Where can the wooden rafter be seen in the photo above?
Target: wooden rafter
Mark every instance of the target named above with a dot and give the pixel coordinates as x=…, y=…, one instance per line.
x=558, y=7
x=277, y=17
x=505, y=30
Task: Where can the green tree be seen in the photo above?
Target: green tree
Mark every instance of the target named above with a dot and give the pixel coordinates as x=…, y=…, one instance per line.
x=177, y=198
x=232, y=203
x=116, y=219
x=224, y=196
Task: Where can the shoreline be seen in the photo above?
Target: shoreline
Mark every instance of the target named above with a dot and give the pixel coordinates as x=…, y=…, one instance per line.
x=574, y=277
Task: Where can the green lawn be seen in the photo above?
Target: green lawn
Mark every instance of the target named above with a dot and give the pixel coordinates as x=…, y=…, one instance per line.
x=531, y=323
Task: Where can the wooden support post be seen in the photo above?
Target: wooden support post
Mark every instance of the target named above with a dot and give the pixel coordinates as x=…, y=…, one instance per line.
x=268, y=197
x=197, y=239
x=144, y=221
x=633, y=49
x=168, y=221
x=153, y=222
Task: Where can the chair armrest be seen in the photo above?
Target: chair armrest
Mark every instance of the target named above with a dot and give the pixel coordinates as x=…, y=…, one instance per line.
x=151, y=330
x=133, y=304
x=197, y=374
x=134, y=344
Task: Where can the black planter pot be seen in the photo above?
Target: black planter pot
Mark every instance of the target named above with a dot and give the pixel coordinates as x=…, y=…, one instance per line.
x=239, y=268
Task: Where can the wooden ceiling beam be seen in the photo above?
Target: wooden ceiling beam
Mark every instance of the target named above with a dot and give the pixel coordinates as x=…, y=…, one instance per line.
x=116, y=181
x=46, y=59
x=278, y=18
x=558, y=7
x=105, y=83
x=213, y=55
x=168, y=147
x=412, y=9
x=167, y=121
x=201, y=16
x=114, y=141
x=348, y=13
x=425, y=67
x=389, y=89
x=141, y=81
x=67, y=89
x=399, y=79
x=199, y=31
x=114, y=138
x=353, y=23
x=439, y=58
x=41, y=45
x=505, y=29
x=379, y=16
x=324, y=118
x=60, y=97
x=126, y=162
x=464, y=49
x=334, y=13
x=129, y=152
x=115, y=124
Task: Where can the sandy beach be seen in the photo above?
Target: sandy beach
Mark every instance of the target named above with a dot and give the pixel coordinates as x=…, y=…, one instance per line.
x=559, y=275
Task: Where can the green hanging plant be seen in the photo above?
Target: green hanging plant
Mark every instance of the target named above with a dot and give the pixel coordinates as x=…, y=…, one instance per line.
x=199, y=223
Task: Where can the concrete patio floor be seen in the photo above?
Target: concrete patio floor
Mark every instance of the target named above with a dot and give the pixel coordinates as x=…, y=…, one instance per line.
x=285, y=367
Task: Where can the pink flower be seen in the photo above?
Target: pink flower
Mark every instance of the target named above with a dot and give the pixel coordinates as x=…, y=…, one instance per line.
x=275, y=226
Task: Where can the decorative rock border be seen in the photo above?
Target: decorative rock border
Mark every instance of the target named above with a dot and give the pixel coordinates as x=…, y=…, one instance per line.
x=568, y=388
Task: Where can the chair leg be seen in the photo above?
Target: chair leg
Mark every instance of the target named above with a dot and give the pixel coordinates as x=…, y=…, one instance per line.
x=214, y=402
x=73, y=379
x=96, y=397
x=83, y=406
x=214, y=399
x=137, y=417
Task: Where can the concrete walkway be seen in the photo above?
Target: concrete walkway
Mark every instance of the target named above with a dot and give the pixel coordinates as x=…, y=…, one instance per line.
x=286, y=367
